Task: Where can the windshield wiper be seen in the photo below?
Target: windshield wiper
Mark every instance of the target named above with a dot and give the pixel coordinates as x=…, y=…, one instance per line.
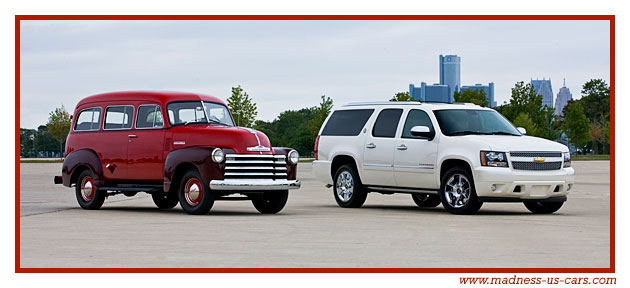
x=503, y=133
x=195, y=122
x=217, y=122
x=468, y=132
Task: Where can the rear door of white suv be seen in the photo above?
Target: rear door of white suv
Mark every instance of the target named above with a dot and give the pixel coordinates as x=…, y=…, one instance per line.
x=415, y=157
x=379, y=145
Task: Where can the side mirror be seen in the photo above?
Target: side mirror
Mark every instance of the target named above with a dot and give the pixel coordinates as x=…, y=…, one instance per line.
x=422, y=131
x=522, y=130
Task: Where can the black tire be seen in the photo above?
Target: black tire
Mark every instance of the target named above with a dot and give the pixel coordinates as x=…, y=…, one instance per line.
x=459, y=205
x=426, y=200
x=91, y=199
x=195, y=203
x=271, y=202
x=164, y=200
x=353, y=198
x=538, y=207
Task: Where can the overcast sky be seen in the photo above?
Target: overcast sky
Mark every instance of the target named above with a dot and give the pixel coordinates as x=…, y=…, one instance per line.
x=288, y=64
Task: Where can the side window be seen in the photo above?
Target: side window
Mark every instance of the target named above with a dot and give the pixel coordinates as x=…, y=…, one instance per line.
x=347, y=122
x=149, y=116
x=118, y=117
x=416, y=118
x=88, y=119
x=386, y=123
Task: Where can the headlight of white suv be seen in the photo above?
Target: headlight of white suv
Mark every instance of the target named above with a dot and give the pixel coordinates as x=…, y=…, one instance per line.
x=293, y=157
x=494, y=159
x=567, y=159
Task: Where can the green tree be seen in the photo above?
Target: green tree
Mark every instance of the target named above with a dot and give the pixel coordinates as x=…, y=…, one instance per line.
x=401, y=96
x=59, y=125
x=525, y=100
x=576, y=125
x=475, y=96
x=523, y=120
x=596, y=100
x=243, y=106
x=44, y=141
x=596, y=134
x=320, y=114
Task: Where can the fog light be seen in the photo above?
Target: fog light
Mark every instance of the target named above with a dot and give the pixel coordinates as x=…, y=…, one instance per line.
x=493, y=187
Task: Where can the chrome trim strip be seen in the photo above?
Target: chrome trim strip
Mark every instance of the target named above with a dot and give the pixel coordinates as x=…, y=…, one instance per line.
x=377, y=165
x=254, y=162
x=254, y=156
x=396, y=189
x=254, y=174
x=179, y=143
x=255, y=168
x=415, y=167
x=254, y=184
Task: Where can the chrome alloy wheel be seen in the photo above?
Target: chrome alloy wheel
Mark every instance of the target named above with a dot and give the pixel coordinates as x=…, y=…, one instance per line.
x=193, y=192
x=345, y=186
x=457, y=191
x=87, y=189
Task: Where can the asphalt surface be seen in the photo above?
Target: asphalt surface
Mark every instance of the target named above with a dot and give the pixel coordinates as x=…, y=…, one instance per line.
x=312, y=231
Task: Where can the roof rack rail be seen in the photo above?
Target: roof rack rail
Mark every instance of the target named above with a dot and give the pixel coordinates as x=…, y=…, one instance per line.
x=383, y=103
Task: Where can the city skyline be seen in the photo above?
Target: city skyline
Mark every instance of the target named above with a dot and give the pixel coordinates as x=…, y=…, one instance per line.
x=289, y=64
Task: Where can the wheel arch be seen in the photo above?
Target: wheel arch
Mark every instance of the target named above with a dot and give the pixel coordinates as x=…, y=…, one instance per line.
x=79, y=160
x=449, y=163
x=341, y=159
x=199, y=157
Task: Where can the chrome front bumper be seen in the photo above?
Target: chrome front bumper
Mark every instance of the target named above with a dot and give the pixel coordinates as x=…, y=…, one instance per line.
x=254, y=184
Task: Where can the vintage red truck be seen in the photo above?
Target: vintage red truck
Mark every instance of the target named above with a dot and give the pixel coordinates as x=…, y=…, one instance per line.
x=193, y=154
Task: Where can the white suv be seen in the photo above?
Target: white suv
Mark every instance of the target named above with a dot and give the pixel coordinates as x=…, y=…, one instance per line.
x=460, y=155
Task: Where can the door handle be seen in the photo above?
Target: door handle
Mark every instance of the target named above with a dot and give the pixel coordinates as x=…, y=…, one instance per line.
x=370, y=146
x=132, y=136
x=402, y=147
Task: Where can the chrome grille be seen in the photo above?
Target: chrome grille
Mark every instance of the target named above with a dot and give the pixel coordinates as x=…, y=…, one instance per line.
x=535, y=154
x=251, y=166
x=522, y=165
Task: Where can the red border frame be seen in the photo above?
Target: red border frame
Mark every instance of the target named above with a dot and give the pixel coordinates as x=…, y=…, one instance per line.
x=19, y=269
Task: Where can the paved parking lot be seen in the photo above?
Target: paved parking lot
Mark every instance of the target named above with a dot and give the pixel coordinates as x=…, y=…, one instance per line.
x=312, y=231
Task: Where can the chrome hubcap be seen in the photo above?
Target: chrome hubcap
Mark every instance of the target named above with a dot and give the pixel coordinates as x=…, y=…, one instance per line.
x=457, y=191
x=345, y=186
x=193, y=192
x=87, y=189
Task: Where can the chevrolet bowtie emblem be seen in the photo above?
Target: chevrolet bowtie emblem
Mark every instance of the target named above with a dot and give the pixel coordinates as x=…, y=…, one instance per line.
x=258, y=148
x=539, y=159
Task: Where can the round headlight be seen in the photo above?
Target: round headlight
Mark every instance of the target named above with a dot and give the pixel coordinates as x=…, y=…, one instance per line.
x=294, y=157
x=217, y=155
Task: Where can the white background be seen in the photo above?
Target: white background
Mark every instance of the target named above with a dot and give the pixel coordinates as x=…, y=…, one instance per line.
x=7, y=121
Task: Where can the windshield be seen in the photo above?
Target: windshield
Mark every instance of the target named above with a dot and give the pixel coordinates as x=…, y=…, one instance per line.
x=454, y=122
x=181, y=113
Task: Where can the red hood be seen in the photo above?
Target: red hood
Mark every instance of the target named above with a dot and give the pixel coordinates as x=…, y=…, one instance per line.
x=236, y=138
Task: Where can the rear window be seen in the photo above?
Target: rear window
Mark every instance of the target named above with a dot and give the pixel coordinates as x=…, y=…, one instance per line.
x=88, y=119
x=347, y=122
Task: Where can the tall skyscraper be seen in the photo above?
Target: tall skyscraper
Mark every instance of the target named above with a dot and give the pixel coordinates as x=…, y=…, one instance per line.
x=543, y=88
x=450, y=73
x=488, y=89
x=563, y=97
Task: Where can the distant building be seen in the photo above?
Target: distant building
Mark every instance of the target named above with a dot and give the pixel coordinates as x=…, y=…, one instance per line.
x=450, y=73
x=430, y=93
x=488, y=89
x=543, y=88
x=563, y=97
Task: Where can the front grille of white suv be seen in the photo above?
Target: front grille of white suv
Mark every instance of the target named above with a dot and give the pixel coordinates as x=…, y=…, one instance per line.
x=251, y=166
x=525, y=160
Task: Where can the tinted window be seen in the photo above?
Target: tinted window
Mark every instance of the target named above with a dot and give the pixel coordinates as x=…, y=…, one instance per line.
x=196, y=111
x=149, y=116
x=118, y=117
x=416, y=118
x=386, y=123
x=88, y=119
x=347, y=122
